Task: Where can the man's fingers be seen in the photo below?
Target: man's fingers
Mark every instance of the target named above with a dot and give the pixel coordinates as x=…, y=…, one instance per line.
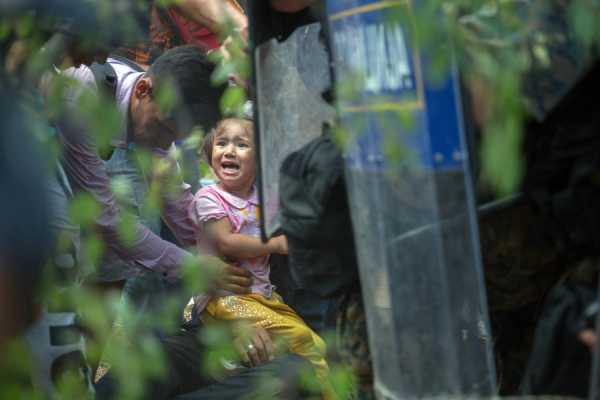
x=260, y=348
x=236, y=271
x=267, y=342
x=242, y=351
x=236, y=289
x=248, y=353
x=238, y=280
x=235, y=279
x=237, y=284
x=253, y=355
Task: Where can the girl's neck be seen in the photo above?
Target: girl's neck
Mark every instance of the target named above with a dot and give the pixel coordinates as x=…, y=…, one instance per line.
x=242, y=193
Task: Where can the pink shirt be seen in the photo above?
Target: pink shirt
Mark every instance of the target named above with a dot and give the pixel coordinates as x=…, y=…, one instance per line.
x=212, y=203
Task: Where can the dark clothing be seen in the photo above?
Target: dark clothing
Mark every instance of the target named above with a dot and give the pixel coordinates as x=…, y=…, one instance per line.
x=185, y=380
x=266, y=23
x=559, y=363
x=316, y=219
x=315, y=216
x=318, y=312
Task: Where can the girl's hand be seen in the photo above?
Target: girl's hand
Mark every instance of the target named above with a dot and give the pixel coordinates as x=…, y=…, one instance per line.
x=279, y=245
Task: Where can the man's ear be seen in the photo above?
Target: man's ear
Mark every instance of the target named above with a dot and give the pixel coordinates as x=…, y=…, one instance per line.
x=143, y=87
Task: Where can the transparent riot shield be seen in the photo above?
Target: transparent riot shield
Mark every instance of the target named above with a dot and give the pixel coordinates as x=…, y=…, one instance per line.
x=413, y=211
x=290, y=78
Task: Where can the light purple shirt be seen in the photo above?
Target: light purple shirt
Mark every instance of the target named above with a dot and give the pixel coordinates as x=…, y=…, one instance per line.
x=87, y=173
x=212, y=203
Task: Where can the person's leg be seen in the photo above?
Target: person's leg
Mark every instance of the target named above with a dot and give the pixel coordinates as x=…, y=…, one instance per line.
x=279, y=379
x=184, y=356
x=300, y=338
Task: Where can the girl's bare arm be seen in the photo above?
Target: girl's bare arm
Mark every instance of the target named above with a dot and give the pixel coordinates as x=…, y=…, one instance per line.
x=237, y=246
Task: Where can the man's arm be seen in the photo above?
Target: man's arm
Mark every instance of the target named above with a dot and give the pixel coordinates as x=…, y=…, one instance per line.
x=237, y=246
x=87, y=173
x=175, y=214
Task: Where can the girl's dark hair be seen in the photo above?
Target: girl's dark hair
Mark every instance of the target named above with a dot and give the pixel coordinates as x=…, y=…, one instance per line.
x=207, y=143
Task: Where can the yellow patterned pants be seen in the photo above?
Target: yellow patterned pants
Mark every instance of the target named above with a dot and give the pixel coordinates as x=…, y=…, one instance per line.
x=278, y=319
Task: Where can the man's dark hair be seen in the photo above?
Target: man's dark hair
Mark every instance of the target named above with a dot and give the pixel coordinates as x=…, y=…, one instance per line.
x=188, y=70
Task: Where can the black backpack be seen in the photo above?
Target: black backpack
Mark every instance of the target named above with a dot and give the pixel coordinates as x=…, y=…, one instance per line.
x=563, y=175
x=316, y=219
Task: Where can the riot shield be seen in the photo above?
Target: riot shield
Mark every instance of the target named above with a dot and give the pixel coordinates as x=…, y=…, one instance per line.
x=413, y=211
x=290, y=78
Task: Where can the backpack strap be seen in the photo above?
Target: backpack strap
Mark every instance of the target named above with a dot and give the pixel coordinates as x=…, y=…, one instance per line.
x=106, y=78
x=131, y=64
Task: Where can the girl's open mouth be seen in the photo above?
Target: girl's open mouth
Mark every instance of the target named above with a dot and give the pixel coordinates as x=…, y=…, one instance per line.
x=230, y=167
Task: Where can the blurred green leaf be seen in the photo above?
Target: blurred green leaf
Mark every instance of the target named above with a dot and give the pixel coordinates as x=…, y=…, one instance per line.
x=584, y=16
x=127, y=227
x=341, y=379
x=25, y=25
x=121, y=187
x=198, y=272
x=104, y=119
x=84, y=209
x=194, y=141
x=205, y=170
x=501, y=150
x=233, y=100
x=222, y=72
x=5, y=29
x=93, y=249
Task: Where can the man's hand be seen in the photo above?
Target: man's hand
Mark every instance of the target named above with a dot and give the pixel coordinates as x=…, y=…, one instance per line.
x=234, y=279
x=208, y=273
x=256, y=348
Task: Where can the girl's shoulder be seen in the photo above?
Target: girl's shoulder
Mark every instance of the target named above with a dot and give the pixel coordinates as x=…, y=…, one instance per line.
x=208, y=191
x=214, y=193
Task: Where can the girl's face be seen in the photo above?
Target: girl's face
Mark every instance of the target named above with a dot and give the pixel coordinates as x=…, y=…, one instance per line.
x=233, y=158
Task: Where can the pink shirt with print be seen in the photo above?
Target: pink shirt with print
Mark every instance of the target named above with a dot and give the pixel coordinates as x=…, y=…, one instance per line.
x=212, y=203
